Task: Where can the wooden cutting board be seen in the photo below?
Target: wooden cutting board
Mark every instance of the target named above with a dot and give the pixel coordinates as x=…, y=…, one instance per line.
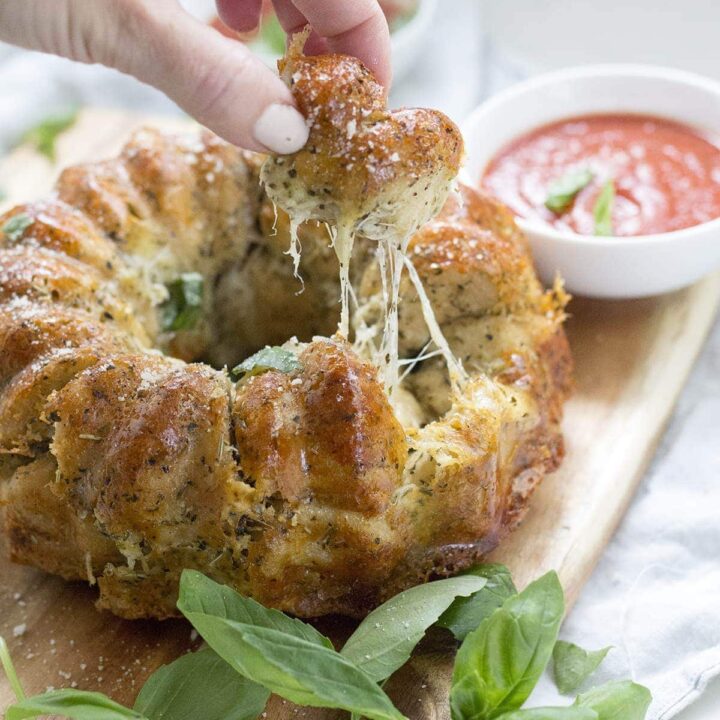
x=632, y=359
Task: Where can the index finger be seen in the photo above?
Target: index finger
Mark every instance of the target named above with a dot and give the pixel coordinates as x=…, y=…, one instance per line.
x=352, y=27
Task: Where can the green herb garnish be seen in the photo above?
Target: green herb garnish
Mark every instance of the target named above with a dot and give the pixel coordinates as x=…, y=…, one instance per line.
x=465, y=614
x=16, y=226
x=622, y=700
x=255, y=650
x=269, y=358
x=602, y=211
x=551, y=713
x=183, y=308
x=572, y=665
x=9, y=668
x=500, y=662
x=562, y=192
x=381, y=645
x=44, y=135
x=79, y=704
x=281, y=658
x=200, y=685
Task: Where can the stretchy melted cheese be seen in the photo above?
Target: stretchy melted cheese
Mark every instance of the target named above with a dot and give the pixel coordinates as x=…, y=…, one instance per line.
x=365, y=171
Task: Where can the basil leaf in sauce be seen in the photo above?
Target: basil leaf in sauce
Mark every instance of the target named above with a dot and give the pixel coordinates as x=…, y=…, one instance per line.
x=76, y=704
x=603, y=208
x=44, y=135
x=384, y=640
x=572, y=665
x=622, y=700
x=183, y=308
x=269, y=358
x=500, y=662
x=200, y=685
x=466, y=613
x=15, y=227
x=551, y=713
x=562, y=192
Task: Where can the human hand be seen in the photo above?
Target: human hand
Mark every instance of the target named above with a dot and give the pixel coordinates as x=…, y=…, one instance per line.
x=215, y=79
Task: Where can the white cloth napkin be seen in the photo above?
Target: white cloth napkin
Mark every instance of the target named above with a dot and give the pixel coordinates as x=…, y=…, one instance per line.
x=655, y=596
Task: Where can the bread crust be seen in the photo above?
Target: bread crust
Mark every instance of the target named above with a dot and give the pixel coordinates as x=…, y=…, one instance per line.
x=125, y=458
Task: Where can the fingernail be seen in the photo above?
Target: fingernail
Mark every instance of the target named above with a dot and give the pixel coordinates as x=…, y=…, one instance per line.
x=281, y=129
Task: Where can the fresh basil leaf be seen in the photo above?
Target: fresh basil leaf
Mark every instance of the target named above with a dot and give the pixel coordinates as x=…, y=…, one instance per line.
x=303, y=672
x=183, y=308
x=500, y=662
x=200, y=685
x=269, y=358
x=76, y=704
x=622, y=700
x=44, y=135
x=384, y=640
x=562, y=192
x=572, y=665
x=551, y=713
x=602, y=210
x=284, y=655
x=465, y=614
x=15, y=227
x=10, y=672
x=200, y=594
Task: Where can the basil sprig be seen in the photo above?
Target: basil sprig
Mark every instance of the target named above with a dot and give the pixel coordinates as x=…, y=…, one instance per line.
x=15, y=227
x=466, y=613
x=200, y=594
x=572, y=665
x=562, y=192
x=269, y=358
x=500, y=662
x=200, y=685
x=603, y=208
x=255, y=650
x=551, y=713
x=78, y=704
x=183, y=307
x=281, y=657
x=620, y=700
x=44, y=135
x=385, y=639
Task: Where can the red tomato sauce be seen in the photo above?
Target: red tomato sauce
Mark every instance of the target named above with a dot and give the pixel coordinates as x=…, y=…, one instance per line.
x=666, y=175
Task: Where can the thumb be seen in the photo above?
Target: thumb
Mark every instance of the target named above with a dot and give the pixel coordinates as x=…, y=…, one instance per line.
x=215, y=79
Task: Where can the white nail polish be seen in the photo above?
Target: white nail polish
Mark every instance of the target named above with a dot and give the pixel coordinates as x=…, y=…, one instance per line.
x=281, y=128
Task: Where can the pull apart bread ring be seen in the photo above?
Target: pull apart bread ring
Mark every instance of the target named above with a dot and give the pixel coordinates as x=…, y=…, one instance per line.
x=329, y=472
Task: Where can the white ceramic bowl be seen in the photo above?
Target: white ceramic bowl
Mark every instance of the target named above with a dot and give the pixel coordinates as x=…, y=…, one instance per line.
x=601, y=266
x=409, y=40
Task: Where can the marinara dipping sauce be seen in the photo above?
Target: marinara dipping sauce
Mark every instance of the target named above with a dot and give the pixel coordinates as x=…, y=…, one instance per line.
x=654, y=175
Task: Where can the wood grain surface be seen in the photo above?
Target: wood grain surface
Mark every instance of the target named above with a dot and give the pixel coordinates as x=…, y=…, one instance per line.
x=632, y=359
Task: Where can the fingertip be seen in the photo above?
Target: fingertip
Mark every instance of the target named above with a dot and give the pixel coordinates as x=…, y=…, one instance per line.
x=240, y=15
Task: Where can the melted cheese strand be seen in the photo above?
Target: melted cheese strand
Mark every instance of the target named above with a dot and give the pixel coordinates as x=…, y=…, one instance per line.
x=295, y=248
x=343, y=239
x=455, y=368
x=391, y=335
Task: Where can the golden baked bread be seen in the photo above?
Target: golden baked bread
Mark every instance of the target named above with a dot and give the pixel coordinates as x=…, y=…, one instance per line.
x=128, y=453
